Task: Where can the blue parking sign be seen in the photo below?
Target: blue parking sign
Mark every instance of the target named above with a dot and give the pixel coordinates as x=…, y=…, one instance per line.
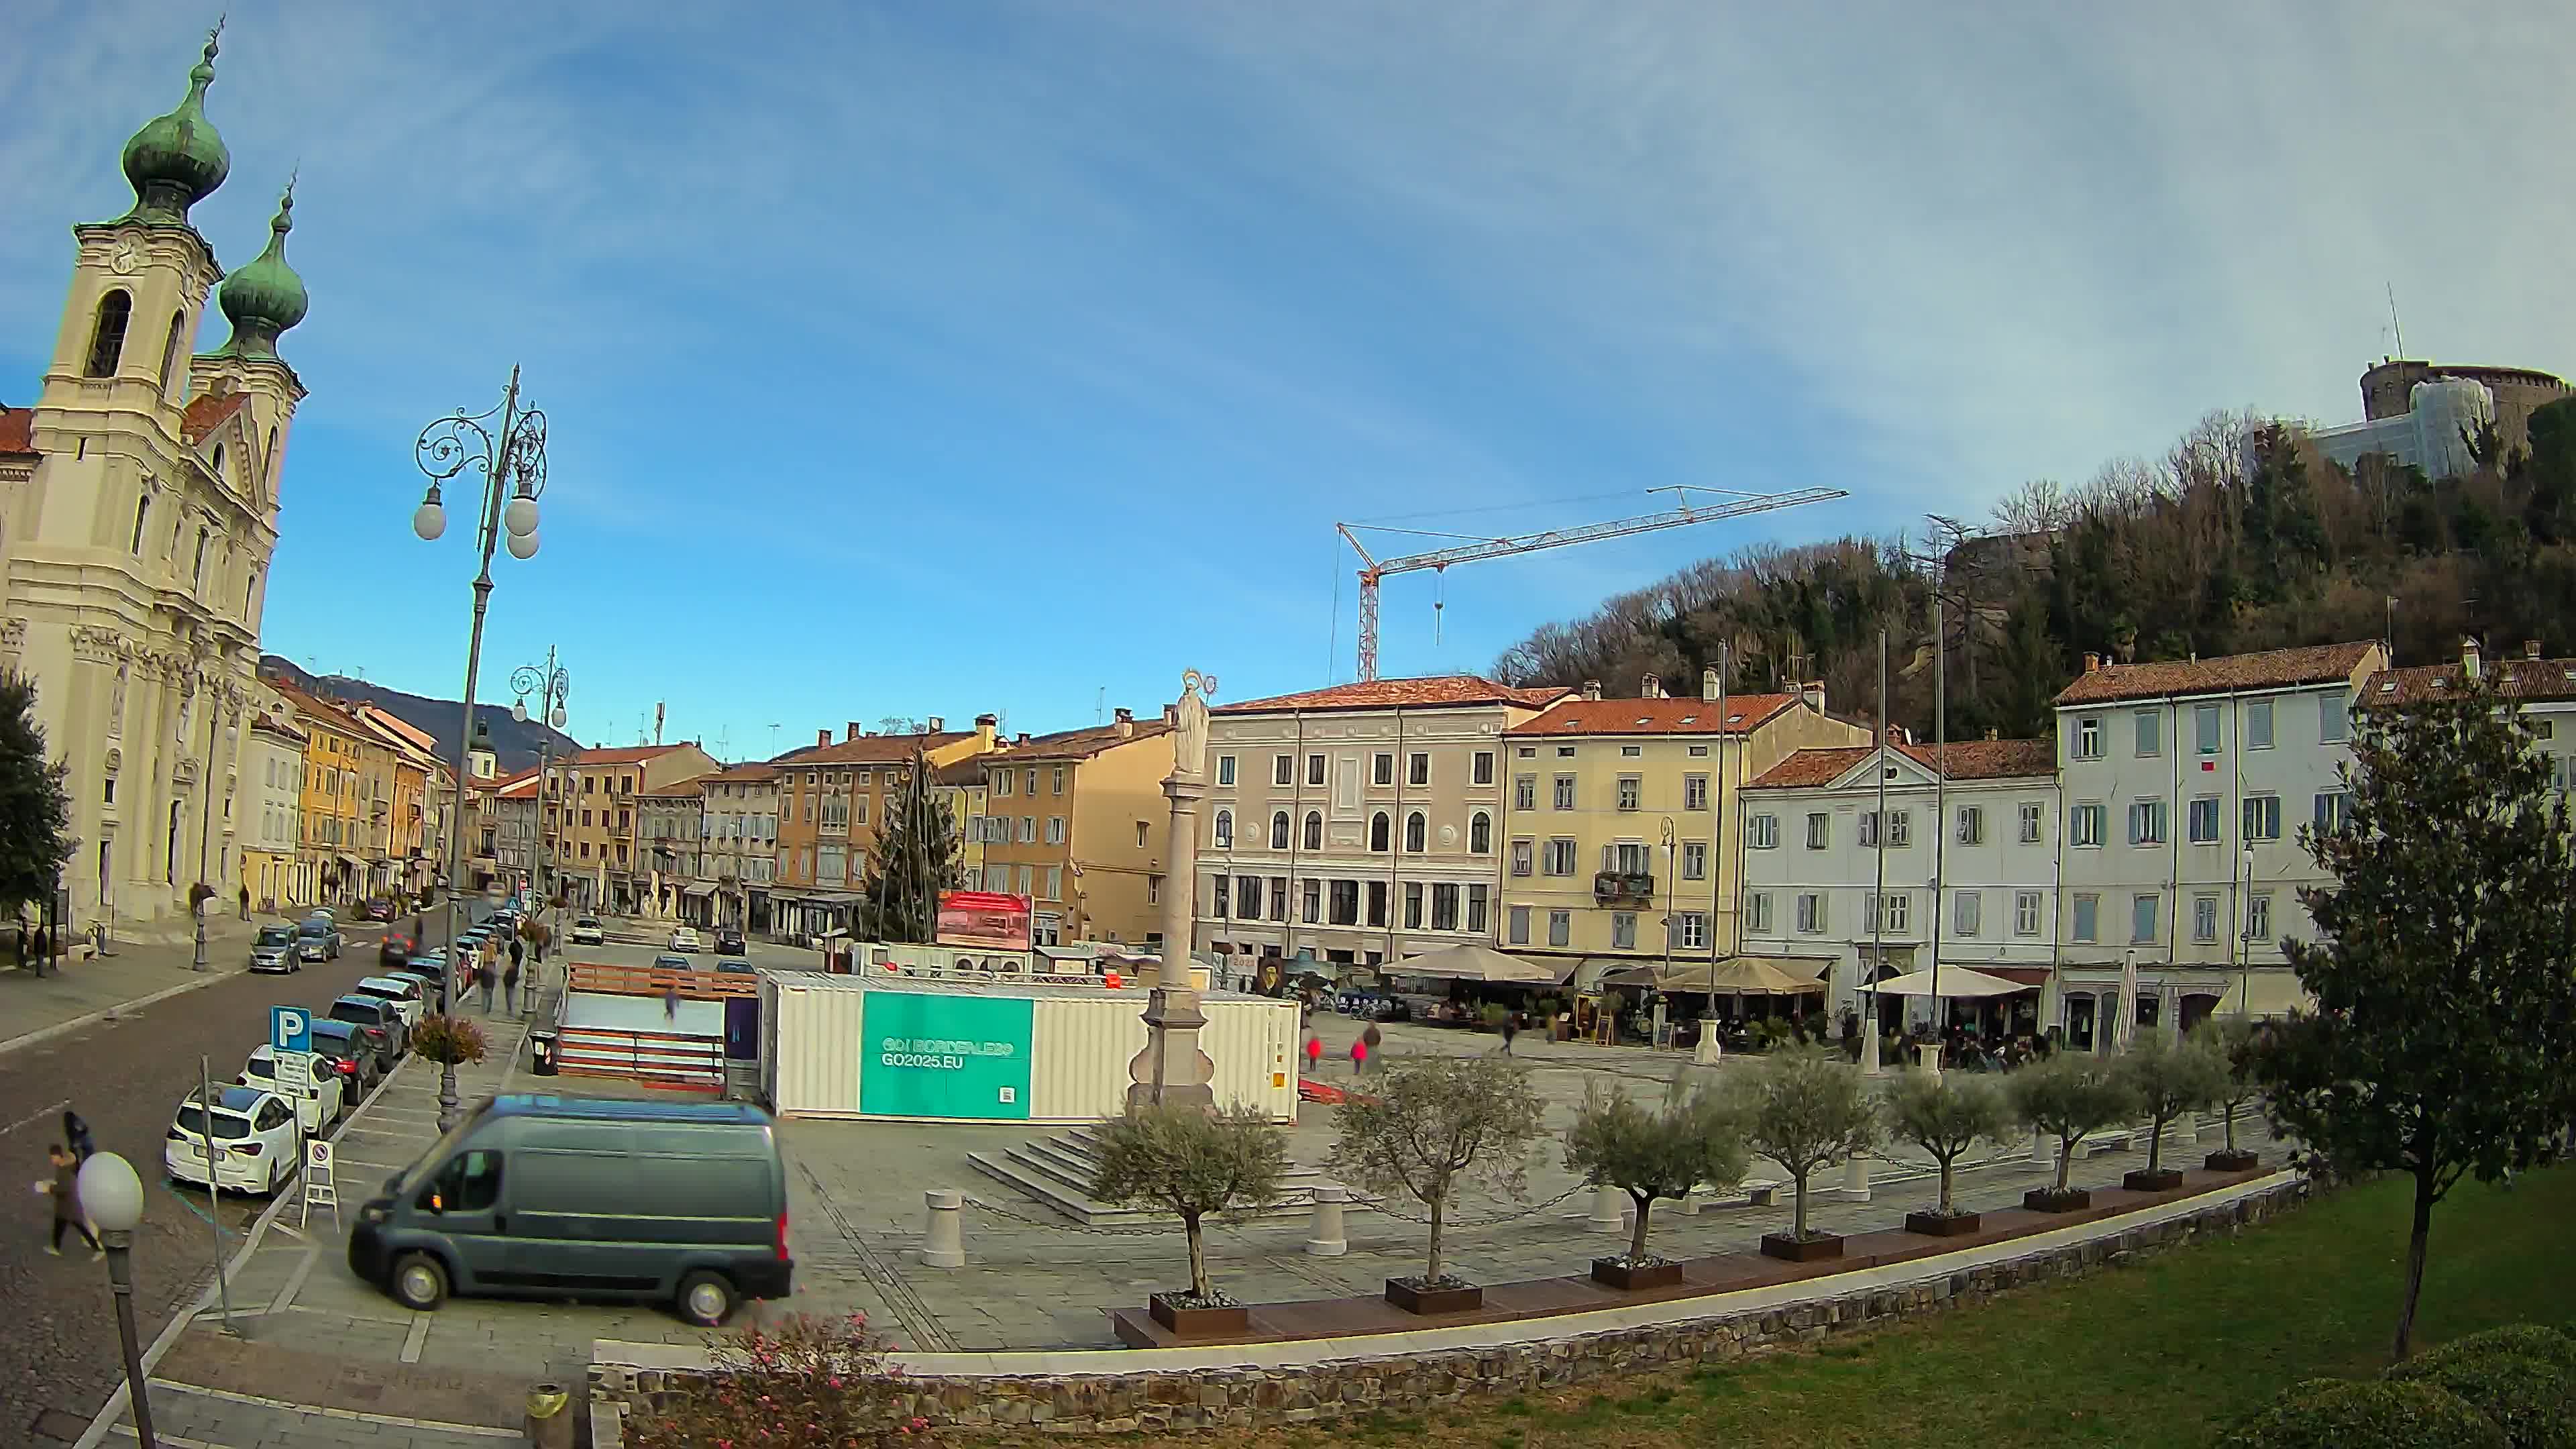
x=290, y=1029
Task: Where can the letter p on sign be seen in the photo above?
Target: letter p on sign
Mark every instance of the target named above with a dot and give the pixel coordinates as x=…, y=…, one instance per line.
x=290, y=1029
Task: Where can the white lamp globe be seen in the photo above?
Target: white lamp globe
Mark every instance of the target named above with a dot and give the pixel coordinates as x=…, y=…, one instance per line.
x=523, y=545
x=111, y=1193
x=519, y=710
x=557, y=719
x=429, y=520
x=520, y=517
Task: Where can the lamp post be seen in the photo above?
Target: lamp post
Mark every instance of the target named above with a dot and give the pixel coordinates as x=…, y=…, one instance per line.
x=552, y=685
x=113, y=1197
x=2245, y=935
x=512, y=458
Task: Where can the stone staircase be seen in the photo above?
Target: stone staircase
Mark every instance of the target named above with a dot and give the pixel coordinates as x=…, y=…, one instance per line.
x=1057, y=1172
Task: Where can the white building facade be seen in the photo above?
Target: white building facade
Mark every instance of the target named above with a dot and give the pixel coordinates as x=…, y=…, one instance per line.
x=740, y=855
x=2185, y=784
x=1962, y=866
x=273, y=812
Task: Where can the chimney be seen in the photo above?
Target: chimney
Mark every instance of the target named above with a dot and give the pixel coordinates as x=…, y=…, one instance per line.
x=937, y=724
x=2469, y=659
x=987, y=728
x=1592, y=689
x=822, y=737
x=2092, y=662
x=1126, y=723
x=1708, y=685
x=1023, y=739
x=851, y=730
x=1992, y=733
x=1652, y=687
x=1814, y=694
x=2530, y=648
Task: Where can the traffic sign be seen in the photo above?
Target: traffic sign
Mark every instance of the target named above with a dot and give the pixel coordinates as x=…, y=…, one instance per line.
x=290, y=1029
x=317, y=1154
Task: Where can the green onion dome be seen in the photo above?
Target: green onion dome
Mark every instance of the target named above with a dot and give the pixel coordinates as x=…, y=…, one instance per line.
x=177, y=160
x=264, y=298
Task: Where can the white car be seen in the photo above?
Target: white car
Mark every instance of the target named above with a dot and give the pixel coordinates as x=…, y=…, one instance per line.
x=251, y=1134
x=324, y=1097
x=685, y=939
x=586, y=932
x=403, y=993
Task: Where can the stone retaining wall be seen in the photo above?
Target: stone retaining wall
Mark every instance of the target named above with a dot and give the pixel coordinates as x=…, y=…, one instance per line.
x=1253, y=1397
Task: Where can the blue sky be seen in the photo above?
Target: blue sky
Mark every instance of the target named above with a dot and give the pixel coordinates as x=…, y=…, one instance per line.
x=928, y=358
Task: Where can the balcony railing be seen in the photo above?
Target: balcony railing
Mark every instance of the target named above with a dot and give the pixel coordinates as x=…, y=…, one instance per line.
x=1623, y=885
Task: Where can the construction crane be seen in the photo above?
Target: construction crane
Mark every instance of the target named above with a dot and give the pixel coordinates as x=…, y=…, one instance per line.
x=1374, y=569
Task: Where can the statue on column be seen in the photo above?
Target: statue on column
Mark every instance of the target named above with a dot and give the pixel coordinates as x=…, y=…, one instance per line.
x=1190, y=724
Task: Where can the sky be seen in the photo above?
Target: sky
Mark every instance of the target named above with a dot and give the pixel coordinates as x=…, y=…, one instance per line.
x=928, y=359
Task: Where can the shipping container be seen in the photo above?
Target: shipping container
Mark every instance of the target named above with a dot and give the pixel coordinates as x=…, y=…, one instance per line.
x=900, y=1048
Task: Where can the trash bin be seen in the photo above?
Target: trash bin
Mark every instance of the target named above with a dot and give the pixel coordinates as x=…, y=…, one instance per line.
x=544, y=1044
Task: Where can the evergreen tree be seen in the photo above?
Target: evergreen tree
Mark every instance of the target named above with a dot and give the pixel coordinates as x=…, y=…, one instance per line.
x=35, y=812
x=2446, y=1009
x=914, y=860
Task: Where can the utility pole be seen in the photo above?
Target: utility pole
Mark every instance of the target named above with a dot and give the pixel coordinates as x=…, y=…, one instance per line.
x=1878, y=898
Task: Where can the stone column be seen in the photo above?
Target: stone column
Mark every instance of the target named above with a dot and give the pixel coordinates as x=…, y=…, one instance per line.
x=943, y=1236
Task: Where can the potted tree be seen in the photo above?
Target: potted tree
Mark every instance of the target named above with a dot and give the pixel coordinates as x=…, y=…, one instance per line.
x=2067, y=1095
x=1615, y=1142
x=2167, y=1079
x=1805, y=1111
x=1193, y=1165
x=2233, y=1039
x=1945, y=1114
x=1433, y=1126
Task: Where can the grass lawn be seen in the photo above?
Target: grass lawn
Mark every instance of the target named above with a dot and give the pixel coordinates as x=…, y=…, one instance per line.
x=2156, y=1354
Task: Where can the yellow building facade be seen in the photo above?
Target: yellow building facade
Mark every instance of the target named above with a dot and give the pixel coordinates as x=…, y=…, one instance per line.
x=1083, y=829
x=330, y=851
x=1623, y=841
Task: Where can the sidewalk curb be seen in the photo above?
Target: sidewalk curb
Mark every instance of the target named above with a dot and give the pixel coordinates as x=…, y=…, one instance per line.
x=104, y=1423
x=78, y=1023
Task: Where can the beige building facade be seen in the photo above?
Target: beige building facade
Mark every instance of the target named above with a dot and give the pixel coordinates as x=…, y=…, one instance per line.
x=1077, y=822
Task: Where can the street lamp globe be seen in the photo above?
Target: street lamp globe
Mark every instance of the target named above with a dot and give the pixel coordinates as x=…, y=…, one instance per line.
x=519, y=710
x=557, y=718
x=520, y=517
x=111, y=1193
x=430, y=519
x=523, y=545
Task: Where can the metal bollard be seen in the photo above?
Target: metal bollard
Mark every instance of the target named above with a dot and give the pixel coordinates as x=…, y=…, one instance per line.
x=1609, y=1209
x=1324, y=1234
x=549, y=1422
x=943, y=1237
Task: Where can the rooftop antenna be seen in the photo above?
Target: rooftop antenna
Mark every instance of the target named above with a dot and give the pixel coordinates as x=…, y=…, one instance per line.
x=657, y=721
x=2393, y=324
x=773, y=740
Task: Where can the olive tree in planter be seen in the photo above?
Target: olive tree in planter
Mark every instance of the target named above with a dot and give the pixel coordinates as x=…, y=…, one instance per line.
x=1946, y=1114
x=2233, y=1040
x=1806, y=1111
x=2167, y=1079
x=1615, y=1142
x=1431, y=1127
x=2067, y=1095
x=1193, y=1165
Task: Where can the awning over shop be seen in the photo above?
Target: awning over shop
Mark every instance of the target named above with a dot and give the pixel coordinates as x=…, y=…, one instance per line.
x=1734, y=976
x=1956, y=981
x=705, y=889
x=1472, y=962
x=2276, y=993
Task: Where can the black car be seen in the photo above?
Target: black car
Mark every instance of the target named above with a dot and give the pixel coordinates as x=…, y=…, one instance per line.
x=351, y=1055
x=728, y=941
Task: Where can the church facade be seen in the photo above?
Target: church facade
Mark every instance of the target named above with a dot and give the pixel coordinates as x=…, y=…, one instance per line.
x=138, y=515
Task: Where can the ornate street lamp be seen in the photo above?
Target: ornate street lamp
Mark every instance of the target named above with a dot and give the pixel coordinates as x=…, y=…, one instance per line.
x=511, y=455
x=113, y=1197
x=552, y=684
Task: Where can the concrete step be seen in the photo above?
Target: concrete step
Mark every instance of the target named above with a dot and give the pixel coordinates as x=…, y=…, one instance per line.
x=1057, y=1172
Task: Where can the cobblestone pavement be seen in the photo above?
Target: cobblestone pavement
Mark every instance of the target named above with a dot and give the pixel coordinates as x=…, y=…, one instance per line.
x=58, y=1344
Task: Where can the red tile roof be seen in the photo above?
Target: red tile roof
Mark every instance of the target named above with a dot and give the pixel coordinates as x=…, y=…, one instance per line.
x=1967, y=759
x=2272, y=669
x=873, y=749
x=968, y=771
x=1430, y=691
x=17, y=430
x=2513, y=678
x=206, y=412
x=746, y=773
x=1692, y=716
x=321, y=709
x=625, y=755
x=1079, y=744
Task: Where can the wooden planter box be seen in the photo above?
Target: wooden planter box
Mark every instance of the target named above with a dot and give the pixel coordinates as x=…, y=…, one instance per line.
x=1801, y=1250
x=1611, y=1273
x=1933, y=1225
x=1433, y=1300
x=2163, y=1179
x=2050, y=1200
x=1199, y=1322
x=2237, y=1161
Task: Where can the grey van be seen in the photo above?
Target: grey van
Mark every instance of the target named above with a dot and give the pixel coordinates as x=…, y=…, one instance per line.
x=568, y=1197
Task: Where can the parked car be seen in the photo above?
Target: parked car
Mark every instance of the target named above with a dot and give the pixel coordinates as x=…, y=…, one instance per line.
x=735, y=964
x=424, y=977
x=728, y=941
x=668, y=962
x=318, y=938
x=403, y=992
x=395, y=951
x=273, y=950
x=685, y=938
x=377, y=1021
x=247, y=1140
x=358, y=1061
x=379, y=909
x=684, y=1203
x=586, y=931
x=324, y=1097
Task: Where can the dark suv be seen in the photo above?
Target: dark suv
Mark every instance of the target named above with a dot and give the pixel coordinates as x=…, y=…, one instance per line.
x=728, y=941
x=377, y=1020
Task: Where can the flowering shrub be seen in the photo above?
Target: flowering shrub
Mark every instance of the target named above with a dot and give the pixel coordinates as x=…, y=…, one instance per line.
x=806, y=1383
x=449, y=1040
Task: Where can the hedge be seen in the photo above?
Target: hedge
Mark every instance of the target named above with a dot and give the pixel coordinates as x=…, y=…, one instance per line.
x=2532, y=1400
x=2386, y=1414
x=2518, y=1340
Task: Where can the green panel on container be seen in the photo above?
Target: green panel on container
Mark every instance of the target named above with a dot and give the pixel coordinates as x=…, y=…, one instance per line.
x=945, y=1056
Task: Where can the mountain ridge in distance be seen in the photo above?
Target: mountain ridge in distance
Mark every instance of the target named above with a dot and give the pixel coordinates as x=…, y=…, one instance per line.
x=515, y=745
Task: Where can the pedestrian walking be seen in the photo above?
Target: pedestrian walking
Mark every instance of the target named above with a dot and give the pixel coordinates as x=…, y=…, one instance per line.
x=245, y=900
x=1314, y=1054
x=64, y=1188
x=489, y=979
x=1371, y=1039
x=1511, y=1028
x=510, y=986
x=1359, y=1055
x=76, y=1132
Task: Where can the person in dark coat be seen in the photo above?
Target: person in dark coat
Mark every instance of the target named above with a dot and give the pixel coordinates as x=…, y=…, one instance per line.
x=488, y=978
x=76, y=1132
x=64, y=1188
